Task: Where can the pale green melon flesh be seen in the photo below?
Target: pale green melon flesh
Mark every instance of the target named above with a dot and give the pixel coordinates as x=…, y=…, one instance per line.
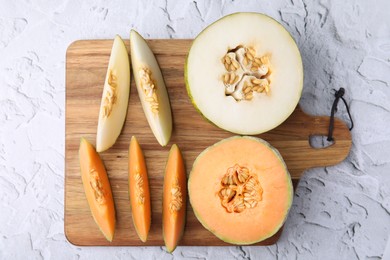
x=204, y=69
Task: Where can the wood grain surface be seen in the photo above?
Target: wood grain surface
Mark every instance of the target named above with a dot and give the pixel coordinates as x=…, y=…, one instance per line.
x=86, y=65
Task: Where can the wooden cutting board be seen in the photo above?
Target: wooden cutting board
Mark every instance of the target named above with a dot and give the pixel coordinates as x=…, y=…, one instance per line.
x=86, y=64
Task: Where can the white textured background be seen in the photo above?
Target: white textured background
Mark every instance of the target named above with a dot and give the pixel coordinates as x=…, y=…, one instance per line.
x=340, y=212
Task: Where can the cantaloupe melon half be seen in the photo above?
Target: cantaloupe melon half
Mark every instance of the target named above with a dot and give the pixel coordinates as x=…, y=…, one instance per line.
x=240, y=190
x=244, y=73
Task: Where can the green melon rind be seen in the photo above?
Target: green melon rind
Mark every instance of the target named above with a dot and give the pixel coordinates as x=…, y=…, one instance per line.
x=276, y=152
x=186, y=73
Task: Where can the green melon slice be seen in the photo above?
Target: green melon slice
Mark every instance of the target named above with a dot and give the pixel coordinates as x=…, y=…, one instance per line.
x=151, y=88
x=115, y=97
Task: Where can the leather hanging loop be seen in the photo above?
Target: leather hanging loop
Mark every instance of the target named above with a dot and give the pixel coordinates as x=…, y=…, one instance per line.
x=338, y=95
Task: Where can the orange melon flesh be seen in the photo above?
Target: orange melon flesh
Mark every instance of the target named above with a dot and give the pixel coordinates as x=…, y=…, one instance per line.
x=139, y=190
x=95, y=181
x=253, y=224
x=174, y=220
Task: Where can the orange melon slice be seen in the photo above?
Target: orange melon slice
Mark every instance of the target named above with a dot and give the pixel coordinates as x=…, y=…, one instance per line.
x=97, y=189
x=174, y=199
x=139, y=190
x=240, y=190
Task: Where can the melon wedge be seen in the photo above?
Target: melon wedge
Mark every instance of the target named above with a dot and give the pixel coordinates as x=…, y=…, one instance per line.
x=174, y=199
x=240, y=190
x=244, y=73
x=151, y=88
x=97, y=189
x=139, y=190
x=115, y=97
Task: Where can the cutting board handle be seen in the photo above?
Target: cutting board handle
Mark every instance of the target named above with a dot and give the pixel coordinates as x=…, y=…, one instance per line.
x=337, y=151
x=296, y=150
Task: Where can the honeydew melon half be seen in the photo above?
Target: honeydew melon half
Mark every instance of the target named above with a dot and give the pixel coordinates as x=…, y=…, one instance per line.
x=151, y=88
x=244, y=73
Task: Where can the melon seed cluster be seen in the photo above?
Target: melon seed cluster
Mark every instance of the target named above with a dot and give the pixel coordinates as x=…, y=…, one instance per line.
x=110, y=96
x=176, y=200
x=240, y=189
x=246, y=73
x=97, y=187
x=149, y=88
x=139, y=190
